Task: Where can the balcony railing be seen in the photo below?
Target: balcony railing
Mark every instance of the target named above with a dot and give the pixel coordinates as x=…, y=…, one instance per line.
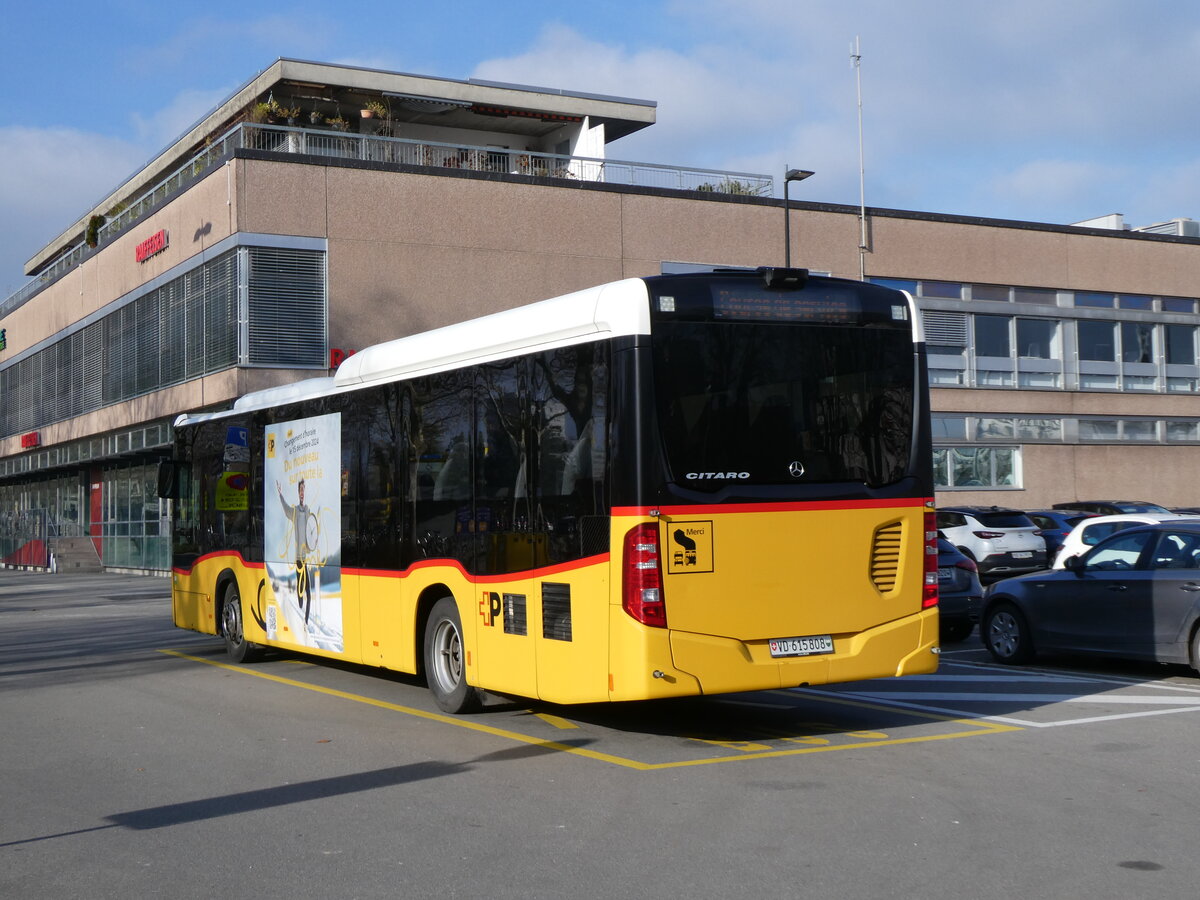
x=406, y=151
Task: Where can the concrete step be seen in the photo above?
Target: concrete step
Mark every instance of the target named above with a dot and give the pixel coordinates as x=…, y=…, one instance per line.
x=76, y=555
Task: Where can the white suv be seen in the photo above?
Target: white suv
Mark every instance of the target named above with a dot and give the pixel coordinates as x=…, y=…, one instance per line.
x=1001, y=541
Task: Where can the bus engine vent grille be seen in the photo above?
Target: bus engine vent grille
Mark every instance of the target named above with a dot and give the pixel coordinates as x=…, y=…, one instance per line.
x=515, y=619
x=885, y=556
x=556, y=611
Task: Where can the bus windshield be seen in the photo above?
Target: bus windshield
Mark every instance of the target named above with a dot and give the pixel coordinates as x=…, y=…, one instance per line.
x=783, y=403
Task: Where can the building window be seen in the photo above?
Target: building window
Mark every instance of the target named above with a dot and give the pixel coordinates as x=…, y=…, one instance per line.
x=1037, y=338
x=991, y=336
x=990, y=292
x=1181, y=344
x=1043, y=296
x=1137, y=342
x=1118, y=430
x=1178, y=305
x=1182, y=431
x=1097, y=340
x=897, y=284
x=976, y=468
x=1094, y=300
x=948, y=290
x=1135, y=301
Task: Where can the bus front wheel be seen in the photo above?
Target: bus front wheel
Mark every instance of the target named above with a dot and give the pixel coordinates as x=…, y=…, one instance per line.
x=236, y=645
x=445, y=668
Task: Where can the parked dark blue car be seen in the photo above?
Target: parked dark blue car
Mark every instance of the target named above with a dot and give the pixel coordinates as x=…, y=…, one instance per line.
x=1056, y=524
x=960, y=595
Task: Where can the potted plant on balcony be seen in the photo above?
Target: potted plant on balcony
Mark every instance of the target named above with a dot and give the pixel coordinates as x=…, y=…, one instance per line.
x=337, y=123
x=374, y=109
x=262, y=112
x=290, y=113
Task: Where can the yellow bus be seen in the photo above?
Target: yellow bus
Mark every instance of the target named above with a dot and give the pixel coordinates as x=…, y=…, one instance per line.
x=660, y=487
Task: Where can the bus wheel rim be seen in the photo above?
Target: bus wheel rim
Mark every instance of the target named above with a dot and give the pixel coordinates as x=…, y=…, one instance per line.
x=447, y=648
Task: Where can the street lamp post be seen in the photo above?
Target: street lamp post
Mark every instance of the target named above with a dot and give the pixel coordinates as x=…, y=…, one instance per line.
x=789, y=176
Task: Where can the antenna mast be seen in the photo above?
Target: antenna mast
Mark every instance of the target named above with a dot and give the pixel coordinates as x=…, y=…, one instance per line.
x=856, y=59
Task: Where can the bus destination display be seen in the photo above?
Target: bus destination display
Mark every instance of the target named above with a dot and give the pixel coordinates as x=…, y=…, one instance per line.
x=772, y=306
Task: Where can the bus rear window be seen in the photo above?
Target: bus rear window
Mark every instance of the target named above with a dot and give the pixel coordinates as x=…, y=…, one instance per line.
x=771, y=403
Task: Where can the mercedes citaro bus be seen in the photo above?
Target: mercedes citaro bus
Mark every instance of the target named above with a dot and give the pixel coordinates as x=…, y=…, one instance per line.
x=664, y=486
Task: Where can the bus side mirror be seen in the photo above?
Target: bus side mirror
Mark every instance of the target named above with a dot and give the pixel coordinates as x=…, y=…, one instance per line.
x=168, y=479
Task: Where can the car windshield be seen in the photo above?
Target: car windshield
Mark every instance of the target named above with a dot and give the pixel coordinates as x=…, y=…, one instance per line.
x=1004, y=519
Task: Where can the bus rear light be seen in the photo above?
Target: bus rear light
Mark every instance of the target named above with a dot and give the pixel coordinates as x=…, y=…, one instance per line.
x=641, y=580
x=930, y=596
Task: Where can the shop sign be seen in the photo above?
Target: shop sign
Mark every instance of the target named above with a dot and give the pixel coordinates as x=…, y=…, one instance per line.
x=151, y=246
x=32, y=439
x=338, y=356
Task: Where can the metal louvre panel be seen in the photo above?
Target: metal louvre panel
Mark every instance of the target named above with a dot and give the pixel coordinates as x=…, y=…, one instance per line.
x=183, y=330
x=287, y=307
x=193, y=292
x=172, y=332
x=220, y=313
x=6, y=409
x=945, y=328
x=92, y=382
x=120, y=355
x=147, y=350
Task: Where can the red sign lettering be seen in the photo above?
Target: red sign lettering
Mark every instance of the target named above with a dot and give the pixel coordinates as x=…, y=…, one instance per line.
x=337, y=357
x=151, y=246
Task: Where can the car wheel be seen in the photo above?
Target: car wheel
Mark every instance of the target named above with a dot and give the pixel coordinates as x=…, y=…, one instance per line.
x=953, y=632
x=445, y=668
x=1196, y=650
x=1006, y=634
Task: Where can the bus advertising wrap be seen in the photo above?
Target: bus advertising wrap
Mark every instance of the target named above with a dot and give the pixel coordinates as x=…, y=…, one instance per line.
x=302, y=527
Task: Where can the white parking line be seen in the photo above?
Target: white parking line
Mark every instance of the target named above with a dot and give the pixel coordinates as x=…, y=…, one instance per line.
x=892, y=700
x=1019, y=698
x=944, y=699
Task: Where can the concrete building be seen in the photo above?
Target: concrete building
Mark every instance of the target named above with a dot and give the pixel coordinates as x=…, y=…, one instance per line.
x=288, y=228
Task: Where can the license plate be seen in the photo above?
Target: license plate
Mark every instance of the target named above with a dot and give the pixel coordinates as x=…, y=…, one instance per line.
x=802, y=646
x=1022, y=554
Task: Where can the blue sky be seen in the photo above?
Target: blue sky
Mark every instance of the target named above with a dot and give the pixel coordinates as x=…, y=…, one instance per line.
x=1042, y=110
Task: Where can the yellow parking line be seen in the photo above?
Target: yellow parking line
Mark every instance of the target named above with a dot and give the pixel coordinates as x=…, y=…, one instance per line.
x=419, y=713
x=980, y=727
x=556, y=721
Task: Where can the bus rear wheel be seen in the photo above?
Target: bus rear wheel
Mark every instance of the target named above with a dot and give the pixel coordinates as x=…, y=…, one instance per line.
x=236, y=645
x=445, y=661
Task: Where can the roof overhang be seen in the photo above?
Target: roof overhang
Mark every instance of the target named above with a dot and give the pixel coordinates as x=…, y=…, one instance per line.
x=514, y=108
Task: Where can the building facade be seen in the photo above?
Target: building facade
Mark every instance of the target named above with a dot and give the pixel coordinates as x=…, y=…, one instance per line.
x=288, y=229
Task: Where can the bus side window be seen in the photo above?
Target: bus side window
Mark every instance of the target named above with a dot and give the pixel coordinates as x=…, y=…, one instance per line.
x=439, y=434
x=507, y=541
x=569, y=388
x=372, y=472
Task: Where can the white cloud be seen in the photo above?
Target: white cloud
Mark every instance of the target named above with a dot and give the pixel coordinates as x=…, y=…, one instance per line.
x=48, y=178
x=163, y=127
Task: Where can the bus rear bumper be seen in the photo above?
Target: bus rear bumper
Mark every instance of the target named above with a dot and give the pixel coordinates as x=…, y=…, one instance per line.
x=725, y=665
